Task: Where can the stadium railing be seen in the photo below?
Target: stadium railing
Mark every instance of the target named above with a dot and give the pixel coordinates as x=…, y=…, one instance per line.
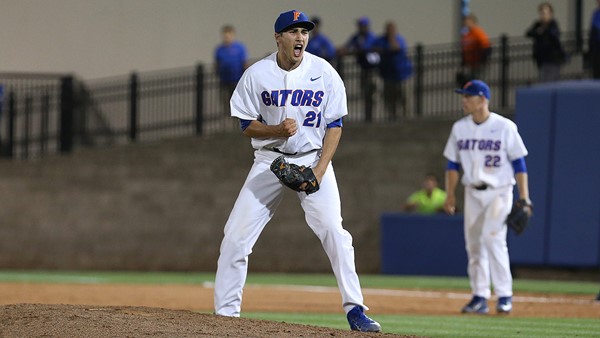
x=49, y=113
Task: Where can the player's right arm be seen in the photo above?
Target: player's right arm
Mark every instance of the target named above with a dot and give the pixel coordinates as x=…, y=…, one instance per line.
x=452, y=171
x=256, y=129
x=451, y=183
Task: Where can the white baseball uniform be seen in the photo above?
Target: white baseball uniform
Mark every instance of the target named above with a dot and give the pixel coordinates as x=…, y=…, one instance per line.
x=485, y=152
x=314, y=95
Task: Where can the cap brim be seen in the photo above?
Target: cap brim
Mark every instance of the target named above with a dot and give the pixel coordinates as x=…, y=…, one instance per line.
x=460, y=91
x=305, y=24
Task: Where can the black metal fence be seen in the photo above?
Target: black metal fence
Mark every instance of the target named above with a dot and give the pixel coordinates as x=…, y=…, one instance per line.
x=55, y=112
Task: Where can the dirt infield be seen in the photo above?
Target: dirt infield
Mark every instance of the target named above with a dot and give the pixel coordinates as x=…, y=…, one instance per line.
x=95, y=310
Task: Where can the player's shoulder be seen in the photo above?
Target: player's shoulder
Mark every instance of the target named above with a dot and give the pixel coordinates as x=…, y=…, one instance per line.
x=503, y=120
x=463, y=121
x=316, y=61
x=318, y=64
x=268, y=61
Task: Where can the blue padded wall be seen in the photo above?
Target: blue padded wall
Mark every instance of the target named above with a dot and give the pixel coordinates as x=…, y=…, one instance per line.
x=575, y=221
x=534, y=118
x=560, y=124
x=422, y=245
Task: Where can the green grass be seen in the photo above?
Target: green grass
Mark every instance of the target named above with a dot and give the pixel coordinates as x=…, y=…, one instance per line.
x=432, y=326
x=454, y=326
x=367, y=281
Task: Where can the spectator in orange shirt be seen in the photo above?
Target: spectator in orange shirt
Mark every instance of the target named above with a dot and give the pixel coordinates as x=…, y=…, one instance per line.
x=476, y=49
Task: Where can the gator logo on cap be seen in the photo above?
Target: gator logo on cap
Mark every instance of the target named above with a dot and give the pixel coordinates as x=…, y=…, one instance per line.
x=296, y=15
x=467, y=85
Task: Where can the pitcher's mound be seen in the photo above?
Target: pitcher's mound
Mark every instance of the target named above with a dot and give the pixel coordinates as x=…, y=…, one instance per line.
x=42, y=320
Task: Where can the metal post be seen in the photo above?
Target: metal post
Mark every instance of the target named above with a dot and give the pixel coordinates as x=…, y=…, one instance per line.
x=133, y=106
x=578, y=25
x=44, y=125
x=66, y=114
x=27, y=126
x=12, y=114
x=340, y=65
x=199, y=98
x=504, y=62
x=419, y=80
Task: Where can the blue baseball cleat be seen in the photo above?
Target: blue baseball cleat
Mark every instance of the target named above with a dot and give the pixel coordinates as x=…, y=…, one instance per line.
x=504, y=305
x=477, y=305
x=360, y=322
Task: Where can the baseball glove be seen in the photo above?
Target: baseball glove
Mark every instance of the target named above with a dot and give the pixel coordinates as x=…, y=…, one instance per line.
x=518, y=218
x=294, y=176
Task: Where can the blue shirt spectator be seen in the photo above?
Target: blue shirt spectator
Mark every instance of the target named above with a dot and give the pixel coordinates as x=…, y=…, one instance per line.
x=394, y=68
x=319, y=44
x=230, y=57
x=395, y=64
x=361, y=44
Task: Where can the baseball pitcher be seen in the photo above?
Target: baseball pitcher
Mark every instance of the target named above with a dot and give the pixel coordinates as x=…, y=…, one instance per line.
x=291, y=105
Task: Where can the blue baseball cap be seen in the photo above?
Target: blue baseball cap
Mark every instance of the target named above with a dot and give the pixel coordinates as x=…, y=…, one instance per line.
x=291, y=19
x=475, y=87
x=363, y=21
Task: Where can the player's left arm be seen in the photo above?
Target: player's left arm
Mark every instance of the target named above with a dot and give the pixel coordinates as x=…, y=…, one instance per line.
x=522, y=179
x=330, y=144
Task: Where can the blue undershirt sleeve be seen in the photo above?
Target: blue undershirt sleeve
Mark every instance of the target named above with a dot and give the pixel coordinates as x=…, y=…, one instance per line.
x=519, y=165
x=336, y=123
x=453, y=166
x=245, y=123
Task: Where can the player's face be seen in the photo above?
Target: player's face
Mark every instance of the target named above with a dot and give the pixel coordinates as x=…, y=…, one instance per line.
x=472, y=103
x=290, y=46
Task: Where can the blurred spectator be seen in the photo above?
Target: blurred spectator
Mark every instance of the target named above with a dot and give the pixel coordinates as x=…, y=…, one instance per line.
x=319, y=44
x=395, y=67
x=361, y=44
x=231, y=59
x=547, y=50
x=429, y=200
x=476, y=50
x=594, y=43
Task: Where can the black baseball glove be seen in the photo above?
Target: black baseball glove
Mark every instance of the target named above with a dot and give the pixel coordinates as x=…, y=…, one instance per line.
x=518, y=219
x=294, y=176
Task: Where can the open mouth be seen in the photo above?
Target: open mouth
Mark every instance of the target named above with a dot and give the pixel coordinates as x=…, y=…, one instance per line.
x=297, y=50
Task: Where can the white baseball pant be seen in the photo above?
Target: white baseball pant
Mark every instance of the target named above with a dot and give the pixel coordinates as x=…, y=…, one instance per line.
x=257, y=201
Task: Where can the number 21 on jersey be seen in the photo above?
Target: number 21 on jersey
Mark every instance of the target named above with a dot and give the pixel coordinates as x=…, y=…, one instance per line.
x=311, y=116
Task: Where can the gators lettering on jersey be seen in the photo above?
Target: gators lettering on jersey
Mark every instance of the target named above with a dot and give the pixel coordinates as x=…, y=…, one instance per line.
x=470, y=144
x=485, y=151
x=297, y=97
x=313, y=94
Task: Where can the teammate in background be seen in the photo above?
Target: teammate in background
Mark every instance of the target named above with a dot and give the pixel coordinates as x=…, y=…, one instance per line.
x=319, y=44
x=231, y=59
x=290, y=103
x=547, y=49
x=361, y=45
x=395, y=68
x=429, y=200
x=594, y=43
x=491, y=153
x=476, y=50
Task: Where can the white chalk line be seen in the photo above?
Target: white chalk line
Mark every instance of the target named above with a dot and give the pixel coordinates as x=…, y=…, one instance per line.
x=414, y=293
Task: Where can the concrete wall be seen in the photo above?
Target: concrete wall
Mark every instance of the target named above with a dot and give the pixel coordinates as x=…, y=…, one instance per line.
x=163, y=206
x=114, y=37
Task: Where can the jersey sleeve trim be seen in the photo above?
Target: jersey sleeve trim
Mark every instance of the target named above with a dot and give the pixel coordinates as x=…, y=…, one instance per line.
x=453, y=166
x=519, y=165
x=245, y=123
x=335, y=124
